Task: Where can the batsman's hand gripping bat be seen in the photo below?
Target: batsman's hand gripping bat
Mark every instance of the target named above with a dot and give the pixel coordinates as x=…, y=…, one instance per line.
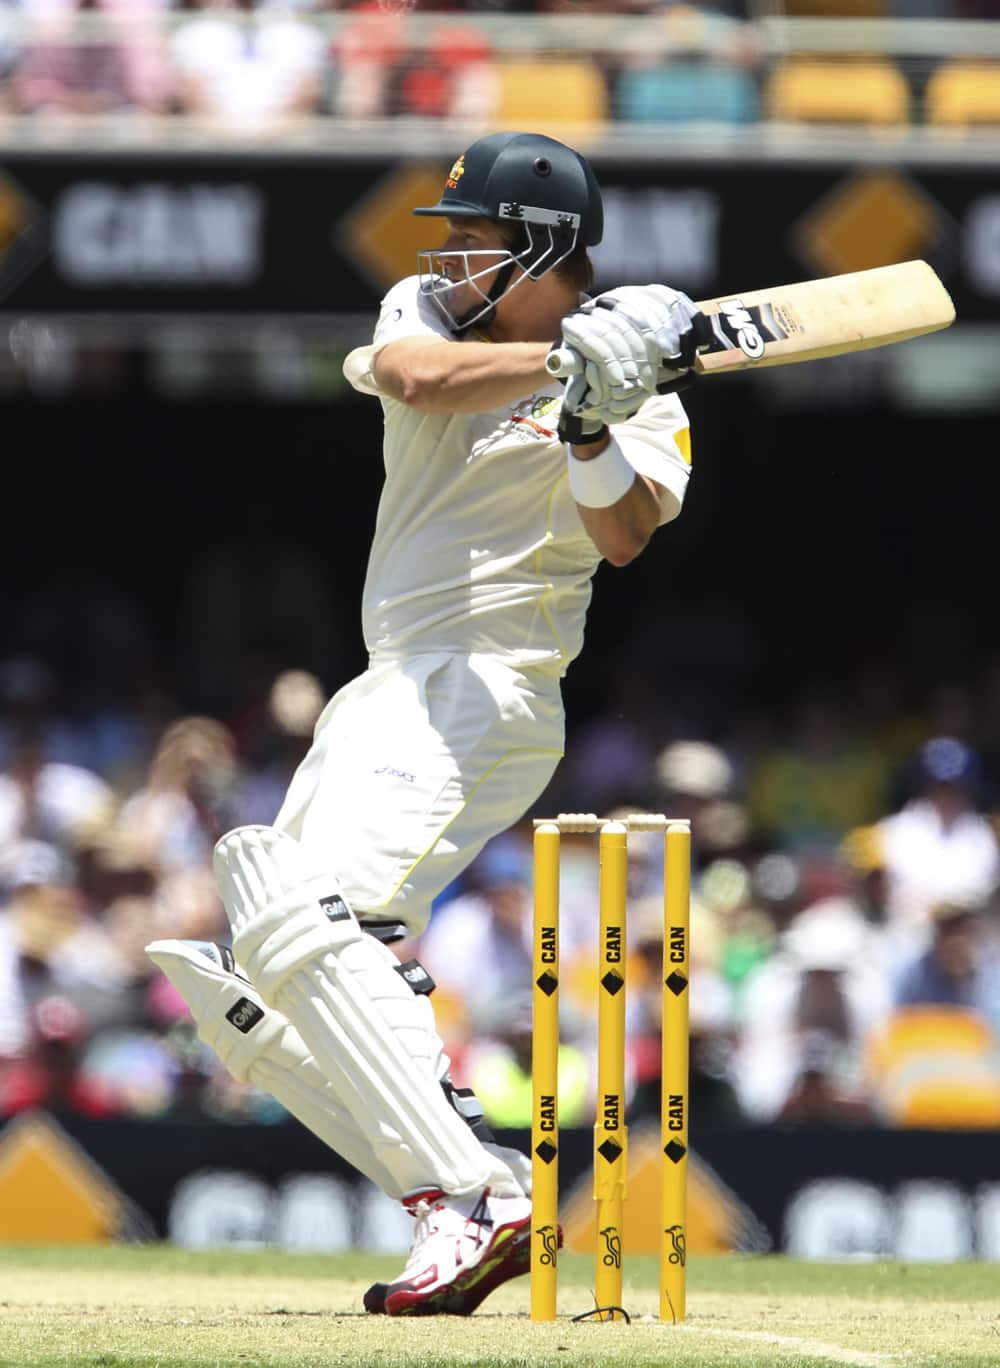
x=810, y=319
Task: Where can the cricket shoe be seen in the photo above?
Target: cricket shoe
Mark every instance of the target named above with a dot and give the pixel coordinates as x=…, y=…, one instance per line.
x=465, y=1303
x=462, y=1249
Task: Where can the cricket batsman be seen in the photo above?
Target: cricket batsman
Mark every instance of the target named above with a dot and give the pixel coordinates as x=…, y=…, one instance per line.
x=504, y=490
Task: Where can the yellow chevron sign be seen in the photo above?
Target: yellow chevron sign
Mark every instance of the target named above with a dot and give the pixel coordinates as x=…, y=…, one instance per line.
x=22, y=234
x=51, y=1192
x=717, y=1221
x=380, y=234
x=873, y=218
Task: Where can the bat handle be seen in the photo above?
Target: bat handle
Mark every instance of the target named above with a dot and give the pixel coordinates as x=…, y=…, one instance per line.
x=563, y=361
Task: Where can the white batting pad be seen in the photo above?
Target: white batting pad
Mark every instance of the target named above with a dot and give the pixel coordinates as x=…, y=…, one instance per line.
x=258, y=1046
x=372, y=1037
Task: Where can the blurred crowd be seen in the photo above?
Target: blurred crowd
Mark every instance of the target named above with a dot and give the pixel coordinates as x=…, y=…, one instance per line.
x=845, y=936
x=259, y=68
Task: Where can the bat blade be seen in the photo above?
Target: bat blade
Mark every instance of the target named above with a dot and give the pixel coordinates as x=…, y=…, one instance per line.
x=826, y=317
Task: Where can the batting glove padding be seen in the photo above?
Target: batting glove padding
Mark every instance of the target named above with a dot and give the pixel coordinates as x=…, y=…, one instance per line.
x=665, y=315
x=619, y=364
x=631, y=340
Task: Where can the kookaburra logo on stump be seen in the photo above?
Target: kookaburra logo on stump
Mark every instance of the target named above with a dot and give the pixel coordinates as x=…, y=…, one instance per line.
x=612, y=1257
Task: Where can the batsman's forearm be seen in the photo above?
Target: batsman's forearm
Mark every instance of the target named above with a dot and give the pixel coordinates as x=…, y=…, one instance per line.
x=462, y=377
x=623, y=529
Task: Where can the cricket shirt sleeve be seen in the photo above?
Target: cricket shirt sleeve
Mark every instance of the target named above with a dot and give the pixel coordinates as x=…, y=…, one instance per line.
x=405, y=312
x=656, y=442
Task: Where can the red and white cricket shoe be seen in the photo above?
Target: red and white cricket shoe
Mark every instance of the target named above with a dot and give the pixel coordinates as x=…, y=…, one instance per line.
x=462, y=1250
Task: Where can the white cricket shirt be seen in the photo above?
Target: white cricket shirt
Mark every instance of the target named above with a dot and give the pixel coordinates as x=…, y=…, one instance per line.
x=478, y=542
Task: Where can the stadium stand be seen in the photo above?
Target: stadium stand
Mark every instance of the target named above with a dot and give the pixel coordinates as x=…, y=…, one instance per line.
x=866, y=91
x=935, y=1066
x=963, y=93
x=690, y=91
x=548, y=94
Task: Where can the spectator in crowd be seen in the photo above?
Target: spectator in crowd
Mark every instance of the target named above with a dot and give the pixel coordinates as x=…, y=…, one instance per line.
x=253, y=75
x=109, y=864
x=143, y=35
x=701, y=66
x=959, y=968
x=28, y=706
x=818, y=1095
x=187, y=900
x=41, y=911
x=711, y=1017
x=828, y=974
x=67, y=944
x=939, y=847
x=364, y=57
x=83, y=1023
x=190, y=798
x=862, y=853
x=479, y=944
x=746, y=929
x=118, y=69
x=498, y=1067
x=8, y=51
x=809, y=787
x=46, y=800
x=49, y=1074
x=453, y=77
x=934, y=1064
x=799, y=955
x=13, y=1001
x=273, y=739
x=695, y=780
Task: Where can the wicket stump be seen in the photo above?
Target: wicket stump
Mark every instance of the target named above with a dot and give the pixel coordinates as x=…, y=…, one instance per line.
x=610, y=1133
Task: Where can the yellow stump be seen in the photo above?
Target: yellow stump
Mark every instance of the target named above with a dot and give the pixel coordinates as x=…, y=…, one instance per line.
x=545, y=1076
x=674, y=1083
x=610, y=1136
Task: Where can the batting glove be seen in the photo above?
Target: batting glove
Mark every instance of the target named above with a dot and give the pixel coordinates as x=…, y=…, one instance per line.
x=666, y=319
x=619, y=366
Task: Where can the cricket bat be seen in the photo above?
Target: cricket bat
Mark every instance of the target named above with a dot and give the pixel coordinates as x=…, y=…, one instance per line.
x=811, y=319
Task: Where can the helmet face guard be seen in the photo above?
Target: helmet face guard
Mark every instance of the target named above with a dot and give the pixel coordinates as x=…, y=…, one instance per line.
x=550, y=238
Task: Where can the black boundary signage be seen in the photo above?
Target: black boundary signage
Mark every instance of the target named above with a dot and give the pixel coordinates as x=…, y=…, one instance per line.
x=834, y=1192
x=172, y=233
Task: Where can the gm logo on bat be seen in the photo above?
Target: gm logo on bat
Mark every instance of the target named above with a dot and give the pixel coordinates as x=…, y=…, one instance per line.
x=741, y=321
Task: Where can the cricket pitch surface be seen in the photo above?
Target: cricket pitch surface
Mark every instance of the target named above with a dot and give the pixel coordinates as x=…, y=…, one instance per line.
x=151, y=1306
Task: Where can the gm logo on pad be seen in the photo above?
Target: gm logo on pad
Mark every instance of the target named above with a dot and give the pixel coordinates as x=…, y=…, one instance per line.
x=245, y=1015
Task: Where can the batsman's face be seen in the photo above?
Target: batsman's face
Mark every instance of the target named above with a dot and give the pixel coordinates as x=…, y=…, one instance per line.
x=461, y=273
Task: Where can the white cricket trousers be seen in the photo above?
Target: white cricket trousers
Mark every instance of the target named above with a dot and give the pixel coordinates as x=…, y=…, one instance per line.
x=414, y=765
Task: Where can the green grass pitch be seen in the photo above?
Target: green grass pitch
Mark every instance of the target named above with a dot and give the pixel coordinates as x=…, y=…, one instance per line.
x=157, y=1307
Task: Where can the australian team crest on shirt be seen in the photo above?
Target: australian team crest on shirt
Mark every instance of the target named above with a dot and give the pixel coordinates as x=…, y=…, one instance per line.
x=547, y=405
x=537, y=417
